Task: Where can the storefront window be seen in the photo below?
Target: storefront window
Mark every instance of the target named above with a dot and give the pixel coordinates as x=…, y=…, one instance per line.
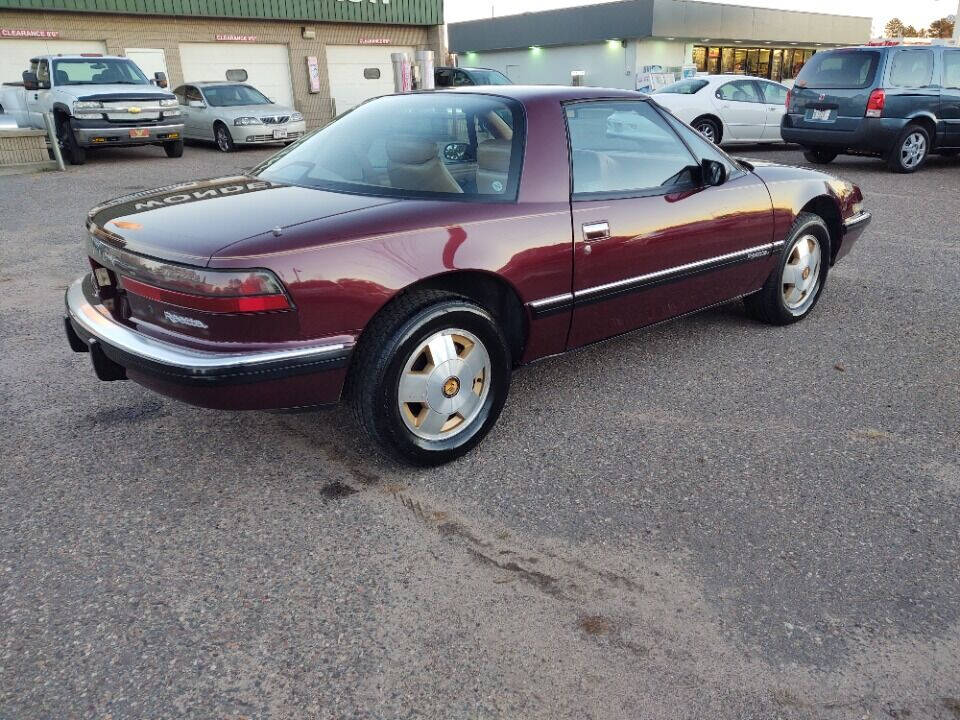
x=700, y=58
x=753, y=62
x=774, y=63
x=763, y=65
x=727, y=60
x=713, y=60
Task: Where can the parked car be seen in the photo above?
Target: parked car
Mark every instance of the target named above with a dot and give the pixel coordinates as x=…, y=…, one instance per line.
x=362, y=264
x=898, y=103
x=463, y=76
x=96, y=101
x=727, y=109
x=233, y=113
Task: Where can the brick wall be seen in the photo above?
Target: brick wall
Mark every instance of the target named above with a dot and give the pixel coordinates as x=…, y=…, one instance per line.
x=18, y=147
x=142, y=31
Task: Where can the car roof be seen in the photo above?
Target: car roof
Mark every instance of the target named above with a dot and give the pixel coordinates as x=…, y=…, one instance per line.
x=208, y=83
x=527, y=93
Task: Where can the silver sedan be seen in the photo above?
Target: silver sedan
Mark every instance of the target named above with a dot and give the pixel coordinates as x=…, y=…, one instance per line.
x=231, y=113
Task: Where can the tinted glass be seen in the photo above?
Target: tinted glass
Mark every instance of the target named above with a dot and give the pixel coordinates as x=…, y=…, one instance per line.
x=739, y=91
x=99, y=71
x=839, y=69
x=435, y=145
x=703, y=148
x=191, y=94
x=683, y=87
x=911, y=68
x=951, y=68
x=234, y=96
x=624, y=146
x=490, y=77
x=460, y=78
x=774, y=94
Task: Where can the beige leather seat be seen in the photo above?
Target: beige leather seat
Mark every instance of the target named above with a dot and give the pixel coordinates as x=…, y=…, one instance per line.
x=414, y=164
x=493, y=164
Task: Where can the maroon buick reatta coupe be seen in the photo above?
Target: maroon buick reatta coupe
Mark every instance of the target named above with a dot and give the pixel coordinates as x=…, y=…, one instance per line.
x=410, y=254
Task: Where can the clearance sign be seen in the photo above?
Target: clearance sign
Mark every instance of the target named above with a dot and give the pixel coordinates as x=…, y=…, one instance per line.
x=26, y=33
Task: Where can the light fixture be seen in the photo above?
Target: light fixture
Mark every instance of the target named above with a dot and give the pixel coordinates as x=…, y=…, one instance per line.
x=534, y=48
x=671, y=38
x=737, y=42
x=706, y=40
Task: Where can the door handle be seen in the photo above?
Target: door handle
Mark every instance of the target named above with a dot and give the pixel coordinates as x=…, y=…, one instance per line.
x=594, y=231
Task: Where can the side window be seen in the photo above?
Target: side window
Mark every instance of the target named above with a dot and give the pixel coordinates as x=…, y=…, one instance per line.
x=443, y=78
x=191, y=93
x=912, y=68
x=625, y=147
x=180, y=98
x=43, y=73
x=773, y=94
x=703, y=148
x=951, y=69
x=460, y=78
x=739, y=91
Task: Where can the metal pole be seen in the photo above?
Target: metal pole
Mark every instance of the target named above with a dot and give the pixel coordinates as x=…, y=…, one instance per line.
x=52, y=137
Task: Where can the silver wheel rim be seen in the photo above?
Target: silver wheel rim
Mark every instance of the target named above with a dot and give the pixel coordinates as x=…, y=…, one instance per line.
x=913, y=150
x=801, y=274
x=444, y=384
x=706, y=129
x=222, y=141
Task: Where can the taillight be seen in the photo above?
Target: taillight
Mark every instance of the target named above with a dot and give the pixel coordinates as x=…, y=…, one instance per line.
x=788, y=101
x=878, y=99
x=213, y=291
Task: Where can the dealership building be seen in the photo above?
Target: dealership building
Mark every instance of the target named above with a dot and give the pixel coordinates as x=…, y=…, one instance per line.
x=321, y=56
x=612, y=44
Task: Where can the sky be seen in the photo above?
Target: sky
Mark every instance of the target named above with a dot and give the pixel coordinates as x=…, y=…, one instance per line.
x=919, y=13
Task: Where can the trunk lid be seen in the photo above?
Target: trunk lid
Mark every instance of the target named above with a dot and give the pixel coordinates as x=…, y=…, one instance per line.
x=832, y=89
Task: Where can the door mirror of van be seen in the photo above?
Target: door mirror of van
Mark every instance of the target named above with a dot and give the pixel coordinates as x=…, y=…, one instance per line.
x=160, y=78
x=30, y=81
x=714, y=172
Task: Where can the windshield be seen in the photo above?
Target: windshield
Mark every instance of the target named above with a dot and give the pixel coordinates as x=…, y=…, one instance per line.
x=432, y=145
x=683, y=87
x=490, y=77
x=97, y=71
x=839, y=69
x=234, y=95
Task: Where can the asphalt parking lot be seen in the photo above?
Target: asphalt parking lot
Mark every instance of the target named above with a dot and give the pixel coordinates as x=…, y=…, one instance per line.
x=711, y=519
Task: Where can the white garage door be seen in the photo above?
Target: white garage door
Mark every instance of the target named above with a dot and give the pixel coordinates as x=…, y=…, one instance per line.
x=267, y=66
x=349, y=84
x=15, y=54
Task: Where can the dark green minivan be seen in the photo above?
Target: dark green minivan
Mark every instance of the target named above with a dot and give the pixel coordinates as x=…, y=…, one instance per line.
x=900, y=103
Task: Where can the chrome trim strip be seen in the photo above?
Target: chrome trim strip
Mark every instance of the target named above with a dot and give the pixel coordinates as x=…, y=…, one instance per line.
x=859, y=219
x=554, y=300
x=96, y=320
x=757, y=251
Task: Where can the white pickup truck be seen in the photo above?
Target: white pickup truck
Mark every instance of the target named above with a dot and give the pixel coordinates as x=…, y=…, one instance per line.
x=96, y=101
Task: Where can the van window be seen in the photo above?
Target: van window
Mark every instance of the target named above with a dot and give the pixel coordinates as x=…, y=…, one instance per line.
x=912, y=68
x=951, y=69
x=853, y=69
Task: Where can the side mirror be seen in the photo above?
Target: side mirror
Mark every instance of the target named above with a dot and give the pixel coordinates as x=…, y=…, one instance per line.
x=196, y=104
x=713, y=172
x=160, y=78
x=30, y=81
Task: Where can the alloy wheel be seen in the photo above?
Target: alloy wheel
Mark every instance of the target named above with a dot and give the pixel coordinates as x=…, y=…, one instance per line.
x=223, y=142
x=800, y=279
x=444, y=384
x=708, y=131
x=913, y=150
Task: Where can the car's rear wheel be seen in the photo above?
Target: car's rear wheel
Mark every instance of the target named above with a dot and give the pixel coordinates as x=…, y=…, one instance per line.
x=173, y=148
x=819, y=156
x=910, y=151
x=793, y=288
x=708, y=128
x=223, y=138
x=430, y=376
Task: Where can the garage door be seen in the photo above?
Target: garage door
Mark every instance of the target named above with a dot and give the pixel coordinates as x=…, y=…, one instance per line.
x=267, y=66
x=15, y=54
x=360, y=72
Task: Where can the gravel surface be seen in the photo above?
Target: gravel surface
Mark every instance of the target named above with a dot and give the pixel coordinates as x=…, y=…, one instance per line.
x=711, y=519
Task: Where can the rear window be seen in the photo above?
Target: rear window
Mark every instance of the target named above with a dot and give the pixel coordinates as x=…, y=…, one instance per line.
x=911, y=68
x=844, y=69
x=683, y=87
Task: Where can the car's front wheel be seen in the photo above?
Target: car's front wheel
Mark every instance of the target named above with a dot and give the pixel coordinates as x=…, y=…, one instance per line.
x=430, y=375
x=223, y=138
x=173, y=148
x=75, y=155
x=793, y=288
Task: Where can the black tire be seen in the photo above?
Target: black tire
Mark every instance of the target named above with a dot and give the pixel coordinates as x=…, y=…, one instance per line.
x=72, y=152
x=223, y=138
x=173, y=148
x=709, y=129
x=391, y=340
x=769, y=304
x=819, y=156
x=899, y=159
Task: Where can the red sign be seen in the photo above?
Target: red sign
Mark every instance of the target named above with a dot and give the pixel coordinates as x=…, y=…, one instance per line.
x=374, y=41
x=18, y=33
x=235, y=38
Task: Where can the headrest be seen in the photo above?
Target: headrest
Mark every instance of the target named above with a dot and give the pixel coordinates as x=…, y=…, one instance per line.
x=494, y=155
x=409, y=150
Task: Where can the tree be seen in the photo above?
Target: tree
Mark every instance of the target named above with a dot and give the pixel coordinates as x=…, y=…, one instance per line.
x=942, y=28
x=911, y=31
x=894, y=28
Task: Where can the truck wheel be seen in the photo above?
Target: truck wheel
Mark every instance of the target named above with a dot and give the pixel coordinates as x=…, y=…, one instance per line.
x=819, y=156
x=75, y=155
x=429, y=378
x=173, y=148
x=910, y=151
x=223, y=137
